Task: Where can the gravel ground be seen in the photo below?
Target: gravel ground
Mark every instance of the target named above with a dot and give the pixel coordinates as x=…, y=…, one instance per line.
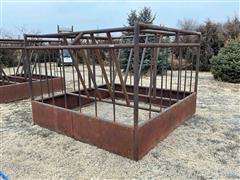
x=124, y=115
x=207, y=146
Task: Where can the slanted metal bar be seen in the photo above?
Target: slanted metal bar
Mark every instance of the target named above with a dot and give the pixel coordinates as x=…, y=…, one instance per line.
x=143, y=56
x=118, y=59
x=98, y=57
x=3, y=72
x=35, y=62
x=46, y=73
x=118, y=69
x=75, y=63
x=128, y=65
x=155, y=61
x=19, y=62
x=85, y=60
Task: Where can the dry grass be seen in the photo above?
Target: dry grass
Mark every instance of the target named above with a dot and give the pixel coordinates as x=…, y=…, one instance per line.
x=204, y=147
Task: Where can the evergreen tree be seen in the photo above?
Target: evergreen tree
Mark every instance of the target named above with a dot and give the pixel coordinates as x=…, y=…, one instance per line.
x=146, y=16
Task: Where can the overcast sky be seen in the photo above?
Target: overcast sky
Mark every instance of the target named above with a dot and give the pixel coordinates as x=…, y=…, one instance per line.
x=44, y=16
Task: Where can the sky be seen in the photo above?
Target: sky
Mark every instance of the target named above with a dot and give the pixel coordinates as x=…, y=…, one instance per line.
x=44, y=15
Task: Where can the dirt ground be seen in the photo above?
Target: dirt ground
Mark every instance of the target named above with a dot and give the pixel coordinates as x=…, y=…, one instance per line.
x=207, y=146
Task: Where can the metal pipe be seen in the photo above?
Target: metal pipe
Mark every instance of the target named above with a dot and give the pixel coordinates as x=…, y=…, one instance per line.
x=136, y=81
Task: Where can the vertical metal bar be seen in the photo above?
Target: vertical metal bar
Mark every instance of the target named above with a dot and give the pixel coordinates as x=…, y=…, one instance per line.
x=178, y=50
x=40, y=76
x=73, y=76
x=54, y=63
x=185, y=77
x=136, y=83
x=1, y=72
x=64, y=81
x=128, y=66
x=130, y=77
x=166, y=68
x=9, y=72
x=180, y=69
x=153, y=57
x=94, y=76
x=191, y=73
x=154, y=68
x=60, y=67
x=46, y=74
x=141, y=78
x=111, y=70
x=170, y=102
x=83, y=71
x=113, y=89
x=79, y=90
x=161, y=100
x=51, y=74
x=143, y=56
x=88, y=59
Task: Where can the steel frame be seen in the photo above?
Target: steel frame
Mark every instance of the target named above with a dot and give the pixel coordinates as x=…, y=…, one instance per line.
x=175, y=101
x=14, y=84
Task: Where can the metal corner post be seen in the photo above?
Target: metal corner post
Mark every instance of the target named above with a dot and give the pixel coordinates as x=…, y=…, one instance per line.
x=28, y=66
x=136, y=82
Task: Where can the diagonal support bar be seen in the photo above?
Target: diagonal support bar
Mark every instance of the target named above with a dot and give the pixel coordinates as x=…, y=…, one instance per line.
x=98, y=57
x=118, y=69
x=83, y=55
x=75, y=63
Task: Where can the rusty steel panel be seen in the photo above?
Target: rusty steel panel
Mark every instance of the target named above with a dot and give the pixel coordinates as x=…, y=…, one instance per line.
x=110, y=136
x=52, y=117
x=155, y=130
x=72, y=101
x=37, y=85
x=14, y=92
x=43, y=115
x=144, y=90
x=18, y=91
x=107, y=135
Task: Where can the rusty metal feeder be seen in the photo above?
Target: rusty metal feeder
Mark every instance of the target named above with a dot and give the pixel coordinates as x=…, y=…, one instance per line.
x=172, y=95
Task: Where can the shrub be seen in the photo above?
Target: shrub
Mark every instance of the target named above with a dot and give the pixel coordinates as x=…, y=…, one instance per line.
x=226, y=65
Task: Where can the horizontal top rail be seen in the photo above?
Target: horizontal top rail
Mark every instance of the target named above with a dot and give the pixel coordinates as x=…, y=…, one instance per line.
x=162, y=28
x=114, y=46
x=144, y=28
